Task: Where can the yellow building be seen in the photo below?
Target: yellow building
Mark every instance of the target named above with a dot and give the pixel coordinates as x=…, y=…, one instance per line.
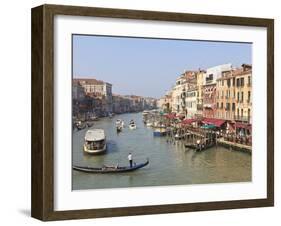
x=234, y=94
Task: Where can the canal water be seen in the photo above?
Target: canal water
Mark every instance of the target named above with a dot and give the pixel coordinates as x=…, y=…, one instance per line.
x=170, y=163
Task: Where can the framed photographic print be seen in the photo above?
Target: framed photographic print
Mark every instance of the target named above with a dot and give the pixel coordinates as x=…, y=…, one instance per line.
x=141, y=112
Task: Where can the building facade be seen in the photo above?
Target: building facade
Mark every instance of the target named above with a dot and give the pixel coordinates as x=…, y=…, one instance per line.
x=101, y=89
x=234, y=94
x=210, y=89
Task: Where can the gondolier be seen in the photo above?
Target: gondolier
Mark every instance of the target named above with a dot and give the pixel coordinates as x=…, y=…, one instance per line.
x=130, y=158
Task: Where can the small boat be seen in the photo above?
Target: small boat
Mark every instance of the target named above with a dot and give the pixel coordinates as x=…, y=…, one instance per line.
x=132, y=125
x=110, y=169
x=94, y=118
x=110, y=115
x=204, y=147
x=191, y=146
x=159, y=132
x=177, y=136
x=199, y=147
x=118, y=129
x=149, y=124
x=95, y=142
x=90, y=123
x=81, y=125
x=119, y=123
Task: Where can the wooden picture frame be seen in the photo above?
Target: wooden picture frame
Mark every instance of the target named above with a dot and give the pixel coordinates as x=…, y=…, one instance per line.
x=42, y=203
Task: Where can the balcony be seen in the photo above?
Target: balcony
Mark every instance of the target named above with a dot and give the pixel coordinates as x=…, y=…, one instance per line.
x=242, y=118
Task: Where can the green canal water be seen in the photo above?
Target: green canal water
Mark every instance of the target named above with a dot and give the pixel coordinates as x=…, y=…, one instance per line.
x=170, y=163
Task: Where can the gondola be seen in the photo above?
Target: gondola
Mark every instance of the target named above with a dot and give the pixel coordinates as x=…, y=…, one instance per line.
x=197, y=147
x=110, y=169
x=191, y=146
x=205, y=147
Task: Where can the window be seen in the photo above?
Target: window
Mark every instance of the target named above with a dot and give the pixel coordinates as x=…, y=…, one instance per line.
x=241, y=112
x=227, y=106
x=221, y=105
x=242, y=97
x=228, y=82
x=242, y=82
x=249, y=96
x=233, y=82
x=249, y=81
x=233, y=106
x=217, y=105
x=238, y=82
x=238, y=96
x=233, y=93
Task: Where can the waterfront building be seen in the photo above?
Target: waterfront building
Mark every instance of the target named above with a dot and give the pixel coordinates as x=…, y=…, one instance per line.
x=234, y=94
x=97, y=88
x=78, y=96
x=165, y=102
x=191, y=101
x=209, y=89
x=178, y=105
x=244, y=94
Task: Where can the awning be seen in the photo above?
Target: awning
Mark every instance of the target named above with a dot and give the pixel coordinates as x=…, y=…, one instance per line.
x=213, y=121
x=210, y=126
x=171, y=116
x=243, y=125
x=188, y=121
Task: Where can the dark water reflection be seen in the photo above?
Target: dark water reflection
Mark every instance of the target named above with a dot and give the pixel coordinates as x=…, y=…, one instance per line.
x=170, y=163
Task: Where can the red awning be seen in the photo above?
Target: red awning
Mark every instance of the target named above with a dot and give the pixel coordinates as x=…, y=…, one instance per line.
x=188, y=121
x=213, y=121
x=243, y=125
x=171, y=116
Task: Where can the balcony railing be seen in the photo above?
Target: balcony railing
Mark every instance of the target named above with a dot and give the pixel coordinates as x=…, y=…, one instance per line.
x=242, y=118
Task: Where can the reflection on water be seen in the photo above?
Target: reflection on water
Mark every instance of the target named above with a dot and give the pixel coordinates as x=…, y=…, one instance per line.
x=170, y=163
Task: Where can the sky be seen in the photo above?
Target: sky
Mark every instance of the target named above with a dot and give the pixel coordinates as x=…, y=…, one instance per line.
x=149, y=67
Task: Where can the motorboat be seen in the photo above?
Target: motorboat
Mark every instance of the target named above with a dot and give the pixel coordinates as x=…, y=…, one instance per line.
x=95, y=141
x=132, y=125
x=90, y=123
x=118, y=129
x=119, y=123
x=159, y=132
x=80, y=125
x=149, y=124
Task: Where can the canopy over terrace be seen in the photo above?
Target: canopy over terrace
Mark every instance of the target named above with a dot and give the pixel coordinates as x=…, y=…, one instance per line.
x=171, y=116
x=213, y=121
x=188, y=121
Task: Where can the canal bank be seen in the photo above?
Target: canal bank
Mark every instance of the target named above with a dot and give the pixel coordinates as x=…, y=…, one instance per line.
x=170, y=163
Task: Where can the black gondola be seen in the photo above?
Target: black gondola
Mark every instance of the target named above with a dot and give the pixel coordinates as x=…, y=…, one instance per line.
x=199, y=147
x=110, y=169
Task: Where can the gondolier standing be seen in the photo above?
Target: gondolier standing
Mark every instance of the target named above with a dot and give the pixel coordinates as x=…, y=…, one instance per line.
x=130, y=158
